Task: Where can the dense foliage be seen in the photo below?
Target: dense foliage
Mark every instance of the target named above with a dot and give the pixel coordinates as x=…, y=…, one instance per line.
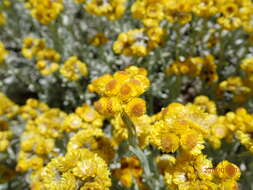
x=126, y=94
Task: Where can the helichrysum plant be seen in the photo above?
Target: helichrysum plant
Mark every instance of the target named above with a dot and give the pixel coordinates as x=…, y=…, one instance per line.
x=126, y=94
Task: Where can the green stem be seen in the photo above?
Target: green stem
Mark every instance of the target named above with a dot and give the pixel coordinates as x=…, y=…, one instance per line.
x=177, y=41
x=149, y=177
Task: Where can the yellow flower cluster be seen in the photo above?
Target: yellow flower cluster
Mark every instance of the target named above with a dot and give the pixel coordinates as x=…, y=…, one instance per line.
x=138, y=42
x=90, y=116
x=206, y=8
x=73, y=69
x=238, y=124
x=43, y=127
x=3, y=52
x=151, y=13
x=45, y=11
x=8, y=109
x=204, y=67
x=236, y=14
x=247, y=67
x=220, y=129
x=180, y=127
x=205, y=104
x=2, y=18
x=88, y=149
x=120, y=92
x=235, y=87
x=84, y=117
x=130, y=170
x=232, y=14
x=242, y=123
x=47, y=61
x=3, y=4
x=32, y=109
x=6, y=3
x=177, y=128
x=99, y=39
x=187, y=172
x=5, y=135
x=31, y=46
x=79, y=169
x=95, y=140
x=185, y=128
x=47, y=58
x=112, y=9
x=219, y=125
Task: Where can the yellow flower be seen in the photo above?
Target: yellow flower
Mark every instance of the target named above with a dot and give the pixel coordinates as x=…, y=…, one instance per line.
x=169, y=142
x=98, y=85
x=181, y=127
x=56, y=175
x=49, y=124
x=3, y=52
x=208, y=72
x=119, y=89
x=192, y=66
x=4, y=145
x=136, y=107
x=227, y=170
x=31, y=46
x=138, y=42
x=28, y=161
x=6, y=3
x=204, y=67
x=99, y=39
x=229, y=9
x=236, y=87
x=129, y=171
x=32, y=109
x=219, y=130
x=85, y=138
x=7, y=108
x=179, y=11
x=113, y=9
x=192, y=141
x=2, y=18
x=164, y=161
x=35, y=143
x=245, y=139
x=247, y=67
x=73, y=122
x=47, y=61
x=151, y=13
x=74, y=69
x=108, y=106
x=89, y=115
x=89, y=168
x=205, y=104
x=229, y=23
x=188, y=173
x=44, y=11
x=229, y=184
x=205, y=8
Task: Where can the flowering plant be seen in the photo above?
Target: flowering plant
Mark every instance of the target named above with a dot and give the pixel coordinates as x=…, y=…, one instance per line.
x=126, y=94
